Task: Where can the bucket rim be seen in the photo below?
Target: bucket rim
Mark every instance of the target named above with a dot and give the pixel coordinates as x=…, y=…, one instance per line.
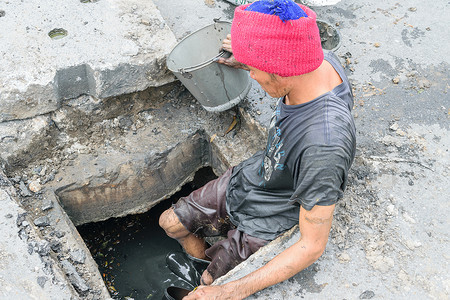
x=203, y=64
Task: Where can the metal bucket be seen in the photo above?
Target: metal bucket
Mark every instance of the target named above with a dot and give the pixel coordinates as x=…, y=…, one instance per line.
x=217, y=87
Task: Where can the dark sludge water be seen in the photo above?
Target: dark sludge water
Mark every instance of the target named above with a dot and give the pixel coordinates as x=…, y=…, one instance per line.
x=130, y=251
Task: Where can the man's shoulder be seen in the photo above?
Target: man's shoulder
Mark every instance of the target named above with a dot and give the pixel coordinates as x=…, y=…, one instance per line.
x=331, y=57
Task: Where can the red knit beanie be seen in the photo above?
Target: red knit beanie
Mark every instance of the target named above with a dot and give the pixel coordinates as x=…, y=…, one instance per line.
x=268, y=44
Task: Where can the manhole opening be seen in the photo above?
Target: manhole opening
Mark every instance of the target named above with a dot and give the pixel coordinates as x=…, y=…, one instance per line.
x=130, y=251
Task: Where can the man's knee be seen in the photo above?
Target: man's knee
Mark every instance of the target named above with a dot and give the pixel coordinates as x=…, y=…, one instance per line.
x=206, y=279
x=172, y=225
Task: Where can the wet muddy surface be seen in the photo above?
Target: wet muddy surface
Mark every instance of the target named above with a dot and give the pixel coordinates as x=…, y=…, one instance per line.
x=131, y=251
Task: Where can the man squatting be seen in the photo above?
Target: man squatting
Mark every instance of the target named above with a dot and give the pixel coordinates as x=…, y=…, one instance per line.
x=300, y=175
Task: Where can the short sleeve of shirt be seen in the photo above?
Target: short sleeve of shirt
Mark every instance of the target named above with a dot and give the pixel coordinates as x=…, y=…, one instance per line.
x=320, y=176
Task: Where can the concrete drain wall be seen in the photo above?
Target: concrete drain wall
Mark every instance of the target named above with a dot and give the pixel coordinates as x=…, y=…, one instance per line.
x=133, y=186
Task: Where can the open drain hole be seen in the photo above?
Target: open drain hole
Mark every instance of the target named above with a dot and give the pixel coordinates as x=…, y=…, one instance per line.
x=130, y=251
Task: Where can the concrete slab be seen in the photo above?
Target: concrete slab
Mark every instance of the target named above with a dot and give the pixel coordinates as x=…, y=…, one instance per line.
x=26, y=269
x=185, y=17
x=110, y=48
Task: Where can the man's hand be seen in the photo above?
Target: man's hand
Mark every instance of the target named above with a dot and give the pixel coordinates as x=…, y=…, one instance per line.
x=210, y=293
x=230, y=61
x=226, y=44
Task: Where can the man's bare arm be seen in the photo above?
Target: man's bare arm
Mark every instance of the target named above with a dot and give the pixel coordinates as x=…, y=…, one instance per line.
x=314, y=228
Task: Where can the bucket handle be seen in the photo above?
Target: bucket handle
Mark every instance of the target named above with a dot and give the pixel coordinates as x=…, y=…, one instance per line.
x=184, y=71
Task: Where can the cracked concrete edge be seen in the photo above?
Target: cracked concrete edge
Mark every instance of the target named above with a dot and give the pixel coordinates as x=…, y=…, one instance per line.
x=81, y=80
x=26, y=278
x=127, y=59
x=75, y=241
x=17, y=135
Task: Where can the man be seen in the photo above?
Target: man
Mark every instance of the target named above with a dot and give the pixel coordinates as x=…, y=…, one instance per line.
x=302, y=172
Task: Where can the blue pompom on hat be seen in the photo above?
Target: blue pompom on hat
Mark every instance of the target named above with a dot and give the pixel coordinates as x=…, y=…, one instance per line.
x=285, y=9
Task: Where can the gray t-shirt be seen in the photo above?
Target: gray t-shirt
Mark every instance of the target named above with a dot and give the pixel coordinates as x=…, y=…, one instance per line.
x=310, y=149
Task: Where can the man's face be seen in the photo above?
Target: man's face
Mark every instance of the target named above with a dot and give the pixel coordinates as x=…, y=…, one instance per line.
x=274, y=85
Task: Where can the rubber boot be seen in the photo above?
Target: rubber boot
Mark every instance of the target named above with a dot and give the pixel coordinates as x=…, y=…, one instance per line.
x=175, y=293
x=183, y=267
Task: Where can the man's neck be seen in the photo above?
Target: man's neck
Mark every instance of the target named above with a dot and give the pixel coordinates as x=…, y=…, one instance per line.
x=307, y=87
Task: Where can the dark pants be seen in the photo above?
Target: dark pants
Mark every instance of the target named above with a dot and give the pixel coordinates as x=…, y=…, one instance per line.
x=204, y=214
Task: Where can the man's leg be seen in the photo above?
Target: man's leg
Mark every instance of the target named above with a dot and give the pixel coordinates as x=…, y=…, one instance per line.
x=230, y=252
x=192, y=244
x=202, y=213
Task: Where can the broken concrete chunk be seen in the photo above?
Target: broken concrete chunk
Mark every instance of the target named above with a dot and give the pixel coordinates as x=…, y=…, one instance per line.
x=394, y=127
x=43, y=171
x=55, y=246
x=74, y=278
x=24, y=191
x=20, y=219
x=423, y=83
x=43, y=248
x=60, y=234
x=23, y=235
x=37, y=170
x=48, y=270
x=16, y=179
x=4, y=181
x=46, y=205
x=42, y=221
x=410, y=244
x=78, y=256
x=408, y=218
x=367, y=295
x=31, y=248
x=391, y=210
x=48, y=178
x=41, y=280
